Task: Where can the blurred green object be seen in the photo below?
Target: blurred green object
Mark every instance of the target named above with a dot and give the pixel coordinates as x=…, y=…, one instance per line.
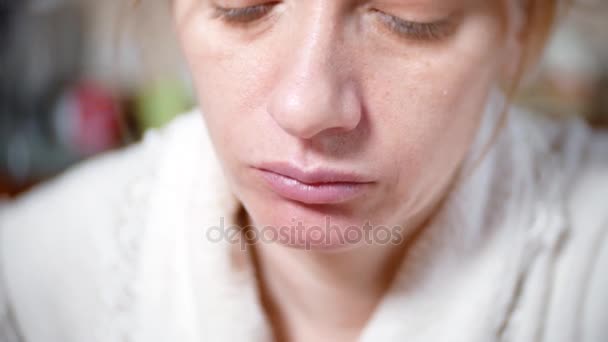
x=159, y=102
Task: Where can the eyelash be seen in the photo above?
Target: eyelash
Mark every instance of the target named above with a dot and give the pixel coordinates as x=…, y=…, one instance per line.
x=244, y=15
x=431, y=31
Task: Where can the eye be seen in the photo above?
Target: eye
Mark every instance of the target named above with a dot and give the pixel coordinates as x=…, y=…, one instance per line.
x=431, y=31
x=244, y=15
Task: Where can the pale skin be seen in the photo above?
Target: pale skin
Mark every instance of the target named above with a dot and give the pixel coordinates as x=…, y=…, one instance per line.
x=393, y=89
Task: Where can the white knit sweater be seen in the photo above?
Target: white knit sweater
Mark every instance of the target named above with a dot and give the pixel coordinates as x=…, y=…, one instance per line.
x=116, y=249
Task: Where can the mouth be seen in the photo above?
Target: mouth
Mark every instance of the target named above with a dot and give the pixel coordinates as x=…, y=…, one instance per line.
x=317, y=186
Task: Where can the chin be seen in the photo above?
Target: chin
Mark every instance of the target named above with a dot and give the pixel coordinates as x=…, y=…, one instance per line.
x=314, y=227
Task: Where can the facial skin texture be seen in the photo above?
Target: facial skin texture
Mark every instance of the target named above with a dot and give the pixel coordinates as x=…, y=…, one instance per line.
x=320, y=83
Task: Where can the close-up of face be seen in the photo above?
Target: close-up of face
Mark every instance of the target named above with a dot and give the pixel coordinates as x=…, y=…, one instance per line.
x=304, y=170
x=360, y=111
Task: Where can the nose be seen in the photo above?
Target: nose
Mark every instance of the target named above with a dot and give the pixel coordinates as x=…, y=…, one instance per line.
x=315, y=93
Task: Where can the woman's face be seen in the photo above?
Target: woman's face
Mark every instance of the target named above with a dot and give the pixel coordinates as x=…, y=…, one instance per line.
x=357, y=112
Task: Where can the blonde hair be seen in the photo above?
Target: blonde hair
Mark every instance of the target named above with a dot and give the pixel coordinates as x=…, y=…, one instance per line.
x=541, y=19
x=542, y=16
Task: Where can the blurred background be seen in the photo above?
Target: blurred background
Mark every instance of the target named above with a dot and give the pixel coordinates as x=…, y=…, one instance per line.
x=81, y=77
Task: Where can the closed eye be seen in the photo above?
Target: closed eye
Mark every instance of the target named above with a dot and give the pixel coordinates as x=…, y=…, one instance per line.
x=415, y=30
x=403, y=28
x=244, y=15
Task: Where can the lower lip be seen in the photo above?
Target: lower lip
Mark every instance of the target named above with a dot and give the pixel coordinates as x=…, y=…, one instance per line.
x=324, y=193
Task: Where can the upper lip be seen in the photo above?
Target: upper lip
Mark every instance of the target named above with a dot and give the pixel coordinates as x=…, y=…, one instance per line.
x=313, y=176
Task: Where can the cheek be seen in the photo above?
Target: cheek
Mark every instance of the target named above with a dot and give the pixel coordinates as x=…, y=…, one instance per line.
x=438, y=106
x=230, y=84
x=426, y=108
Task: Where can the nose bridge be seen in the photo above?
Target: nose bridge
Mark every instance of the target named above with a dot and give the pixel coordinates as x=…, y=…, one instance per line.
x=315, y=92
x=317, y=46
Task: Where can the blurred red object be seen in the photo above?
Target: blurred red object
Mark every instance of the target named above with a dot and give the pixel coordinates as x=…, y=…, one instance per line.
x=88, y=119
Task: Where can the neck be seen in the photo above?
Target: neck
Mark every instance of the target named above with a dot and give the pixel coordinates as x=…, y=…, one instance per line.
x=329, y=294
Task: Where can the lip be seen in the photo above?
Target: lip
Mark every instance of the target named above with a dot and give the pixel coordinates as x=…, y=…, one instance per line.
x=317, y=186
